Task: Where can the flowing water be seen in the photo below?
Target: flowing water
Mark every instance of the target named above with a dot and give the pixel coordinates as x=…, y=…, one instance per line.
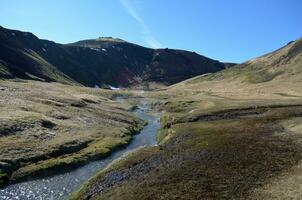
x=60, y=186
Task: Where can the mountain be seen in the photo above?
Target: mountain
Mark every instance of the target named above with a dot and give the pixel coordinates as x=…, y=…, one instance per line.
x=100, y=61
x=279, y=71
x=23, y=55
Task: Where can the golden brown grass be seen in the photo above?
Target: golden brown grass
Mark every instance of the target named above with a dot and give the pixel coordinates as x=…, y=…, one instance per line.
x=235, y=134
x=218, y=159
x=45, y=126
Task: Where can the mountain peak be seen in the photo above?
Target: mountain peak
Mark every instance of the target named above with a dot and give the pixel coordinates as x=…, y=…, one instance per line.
x=100, y=42
x=109, y=39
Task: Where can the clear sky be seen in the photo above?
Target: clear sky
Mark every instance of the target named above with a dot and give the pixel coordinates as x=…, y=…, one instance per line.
x=226, y=30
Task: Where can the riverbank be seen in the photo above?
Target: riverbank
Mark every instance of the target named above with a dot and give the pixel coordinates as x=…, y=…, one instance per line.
x=212, y=145
x=50, y=128
x=60, y=186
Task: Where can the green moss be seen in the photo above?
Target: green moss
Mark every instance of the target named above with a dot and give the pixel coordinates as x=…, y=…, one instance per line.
x=95, y=150
x=166, y=120
x=161, y=134
x=3, y=178
x=75, y=125
x=217, y=159
x=261, y=76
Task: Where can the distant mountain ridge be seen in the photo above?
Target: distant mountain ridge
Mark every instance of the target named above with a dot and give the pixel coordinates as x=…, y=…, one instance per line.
x=104, y=60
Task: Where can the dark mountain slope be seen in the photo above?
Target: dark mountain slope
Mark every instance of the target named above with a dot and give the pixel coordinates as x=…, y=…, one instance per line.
x=145, y=64
x=100, y=61
x=22, y=55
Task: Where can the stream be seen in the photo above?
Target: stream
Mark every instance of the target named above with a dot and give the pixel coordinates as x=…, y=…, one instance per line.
x=60, y=186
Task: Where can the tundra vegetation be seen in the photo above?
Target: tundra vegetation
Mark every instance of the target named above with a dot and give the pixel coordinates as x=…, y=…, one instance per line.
x=234, y=134
x=46, y=128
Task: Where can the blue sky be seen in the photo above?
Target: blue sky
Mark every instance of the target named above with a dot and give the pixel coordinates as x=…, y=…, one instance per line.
x=234, y=30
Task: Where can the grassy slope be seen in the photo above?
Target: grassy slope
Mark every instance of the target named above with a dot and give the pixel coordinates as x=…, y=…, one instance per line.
x=4, y=72
x=281, y=64
x=223, y=136
x=74, y=124
x=22, y=57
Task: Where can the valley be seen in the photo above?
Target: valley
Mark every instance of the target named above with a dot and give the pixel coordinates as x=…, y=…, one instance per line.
x=221, y=137
x=229, y=132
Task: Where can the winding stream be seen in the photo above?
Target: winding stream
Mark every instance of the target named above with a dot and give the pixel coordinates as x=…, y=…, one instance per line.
x=60, y=186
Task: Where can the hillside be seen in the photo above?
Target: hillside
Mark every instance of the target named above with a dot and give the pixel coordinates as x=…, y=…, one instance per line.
x=234, y=134
x=24, y=56
x=283, y=63
x=99, y=61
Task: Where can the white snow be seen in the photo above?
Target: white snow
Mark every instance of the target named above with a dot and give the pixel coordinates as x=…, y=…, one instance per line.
x=97, y=49
x=113, y=88
x=104, y=50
